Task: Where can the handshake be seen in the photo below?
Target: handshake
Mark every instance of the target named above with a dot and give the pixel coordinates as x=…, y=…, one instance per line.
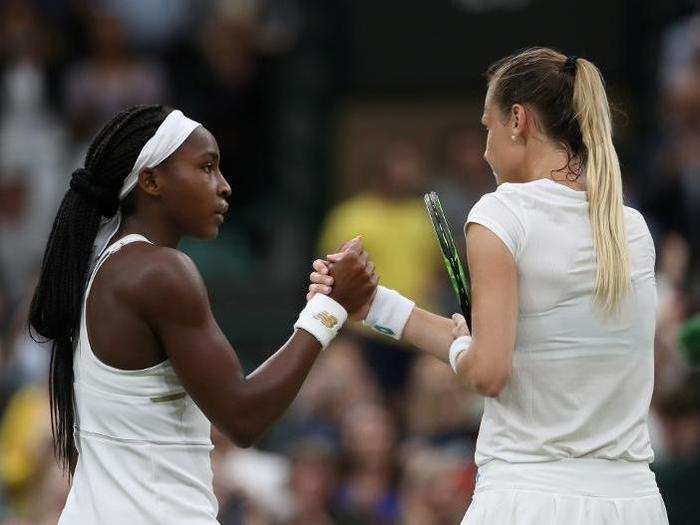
x=349, y=278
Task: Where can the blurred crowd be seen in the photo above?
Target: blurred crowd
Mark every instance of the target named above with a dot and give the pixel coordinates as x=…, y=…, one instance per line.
x=378, y=434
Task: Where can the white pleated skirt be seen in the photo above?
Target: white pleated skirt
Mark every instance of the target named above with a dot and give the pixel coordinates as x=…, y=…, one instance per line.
x=566, y=492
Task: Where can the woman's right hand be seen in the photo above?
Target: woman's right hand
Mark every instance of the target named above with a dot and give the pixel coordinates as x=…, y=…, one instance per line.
x=348, y=277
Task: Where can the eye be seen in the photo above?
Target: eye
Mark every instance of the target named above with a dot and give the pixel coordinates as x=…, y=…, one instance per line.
x=208, y=167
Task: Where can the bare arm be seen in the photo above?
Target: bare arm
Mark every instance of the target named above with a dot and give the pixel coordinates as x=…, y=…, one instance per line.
x=429, y=332
x=176, y=305
x=487, y=366
x=494, y=275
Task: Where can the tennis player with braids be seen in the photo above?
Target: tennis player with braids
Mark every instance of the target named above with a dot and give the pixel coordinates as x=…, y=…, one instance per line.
x=139, y=366
x=563, y=309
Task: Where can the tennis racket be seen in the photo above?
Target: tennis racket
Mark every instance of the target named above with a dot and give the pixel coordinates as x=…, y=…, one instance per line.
x=458, y=277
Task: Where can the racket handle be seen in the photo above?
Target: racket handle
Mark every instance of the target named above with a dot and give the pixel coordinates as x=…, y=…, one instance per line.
x=466, y=311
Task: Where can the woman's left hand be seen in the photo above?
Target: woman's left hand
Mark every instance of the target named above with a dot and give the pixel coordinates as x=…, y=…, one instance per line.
x=460, y=326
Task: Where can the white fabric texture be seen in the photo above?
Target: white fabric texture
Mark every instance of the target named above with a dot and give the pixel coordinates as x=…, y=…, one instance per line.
x=389, y=312
x=169, y=136
x=566, y=492
x=322, y=317
x=143, y=443
x=581, y=384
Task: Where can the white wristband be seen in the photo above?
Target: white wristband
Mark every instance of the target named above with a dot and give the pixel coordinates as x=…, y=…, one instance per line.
x=459, y=345
x=322, y=317
x=389, y=312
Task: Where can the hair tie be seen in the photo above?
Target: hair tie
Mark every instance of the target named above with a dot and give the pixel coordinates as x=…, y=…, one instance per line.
x=106, y=202
x=570, y=64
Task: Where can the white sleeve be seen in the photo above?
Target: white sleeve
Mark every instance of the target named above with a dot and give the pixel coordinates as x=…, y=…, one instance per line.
x=500, y=214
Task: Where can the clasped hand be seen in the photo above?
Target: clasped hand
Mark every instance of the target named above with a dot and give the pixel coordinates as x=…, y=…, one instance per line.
x=348, y=277
x=326, y=275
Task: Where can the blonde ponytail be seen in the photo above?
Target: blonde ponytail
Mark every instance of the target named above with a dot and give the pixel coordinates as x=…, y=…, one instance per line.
x=604, y=188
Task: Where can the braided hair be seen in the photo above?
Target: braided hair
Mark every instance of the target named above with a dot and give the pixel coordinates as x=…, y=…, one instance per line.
x=55, y=308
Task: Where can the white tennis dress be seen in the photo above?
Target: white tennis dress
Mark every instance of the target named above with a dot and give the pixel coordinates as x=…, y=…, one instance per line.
x=566, y=441
x=143, y=443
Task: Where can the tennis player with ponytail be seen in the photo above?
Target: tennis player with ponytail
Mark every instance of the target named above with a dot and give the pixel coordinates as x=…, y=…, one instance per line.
x=563, y=309
x=139, y=366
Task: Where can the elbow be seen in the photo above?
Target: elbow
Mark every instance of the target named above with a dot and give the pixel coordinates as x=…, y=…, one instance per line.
x=489, y=389
x=491, y=384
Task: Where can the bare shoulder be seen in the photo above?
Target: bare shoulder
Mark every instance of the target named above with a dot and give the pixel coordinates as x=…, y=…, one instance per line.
x=157, y=279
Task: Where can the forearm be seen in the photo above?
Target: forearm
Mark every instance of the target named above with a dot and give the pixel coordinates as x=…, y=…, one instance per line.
x=267, y=392
x=477, y=372
x=433, y=334
x=429, y=332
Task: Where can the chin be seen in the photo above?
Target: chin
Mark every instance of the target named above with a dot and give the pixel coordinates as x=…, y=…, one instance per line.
x=211, y=234
x=206, y=234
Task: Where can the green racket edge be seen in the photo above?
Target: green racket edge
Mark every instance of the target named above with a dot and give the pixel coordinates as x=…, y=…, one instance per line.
x=458, y=277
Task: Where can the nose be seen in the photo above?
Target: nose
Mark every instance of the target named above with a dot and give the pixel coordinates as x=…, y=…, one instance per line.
x=224, y=188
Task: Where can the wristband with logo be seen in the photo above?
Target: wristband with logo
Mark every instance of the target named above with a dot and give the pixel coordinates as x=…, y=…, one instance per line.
x=322, y=317
x=389, y=312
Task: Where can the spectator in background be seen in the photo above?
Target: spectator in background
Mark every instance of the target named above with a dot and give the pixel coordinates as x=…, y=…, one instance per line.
x=339, y=381
x=437, y=408
x=390, y=215
x=678, y=474
x=462, y=175
x=679, y=44
x=313, y=480
x=219, y=78
x=368, y=493
x=32, y=143
x=435, y=489
x=673, y=308
x=251, y=485
x=23, y=361
x=674, y=197
x=218, y=82
x=152, y=24
x=27, y=460
x=110, y=78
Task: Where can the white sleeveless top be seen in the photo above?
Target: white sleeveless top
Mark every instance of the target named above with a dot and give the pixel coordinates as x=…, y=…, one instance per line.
x=581, y=384
x=143, y=443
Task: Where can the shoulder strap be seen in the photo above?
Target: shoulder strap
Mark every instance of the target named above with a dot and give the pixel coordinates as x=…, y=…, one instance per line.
x=109, y=250
x=119, y=244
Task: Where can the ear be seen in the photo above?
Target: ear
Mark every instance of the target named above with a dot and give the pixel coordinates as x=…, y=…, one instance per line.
x=149, y=181
x=518, y=120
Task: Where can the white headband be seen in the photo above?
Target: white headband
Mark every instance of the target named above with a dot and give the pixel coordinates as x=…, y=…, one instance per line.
x=168, y=137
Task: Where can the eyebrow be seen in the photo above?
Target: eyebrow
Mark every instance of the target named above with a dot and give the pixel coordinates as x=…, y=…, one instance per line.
x=211, y=153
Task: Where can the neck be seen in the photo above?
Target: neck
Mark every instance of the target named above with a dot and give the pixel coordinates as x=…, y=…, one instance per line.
x=545, y=161
x=155, y=230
